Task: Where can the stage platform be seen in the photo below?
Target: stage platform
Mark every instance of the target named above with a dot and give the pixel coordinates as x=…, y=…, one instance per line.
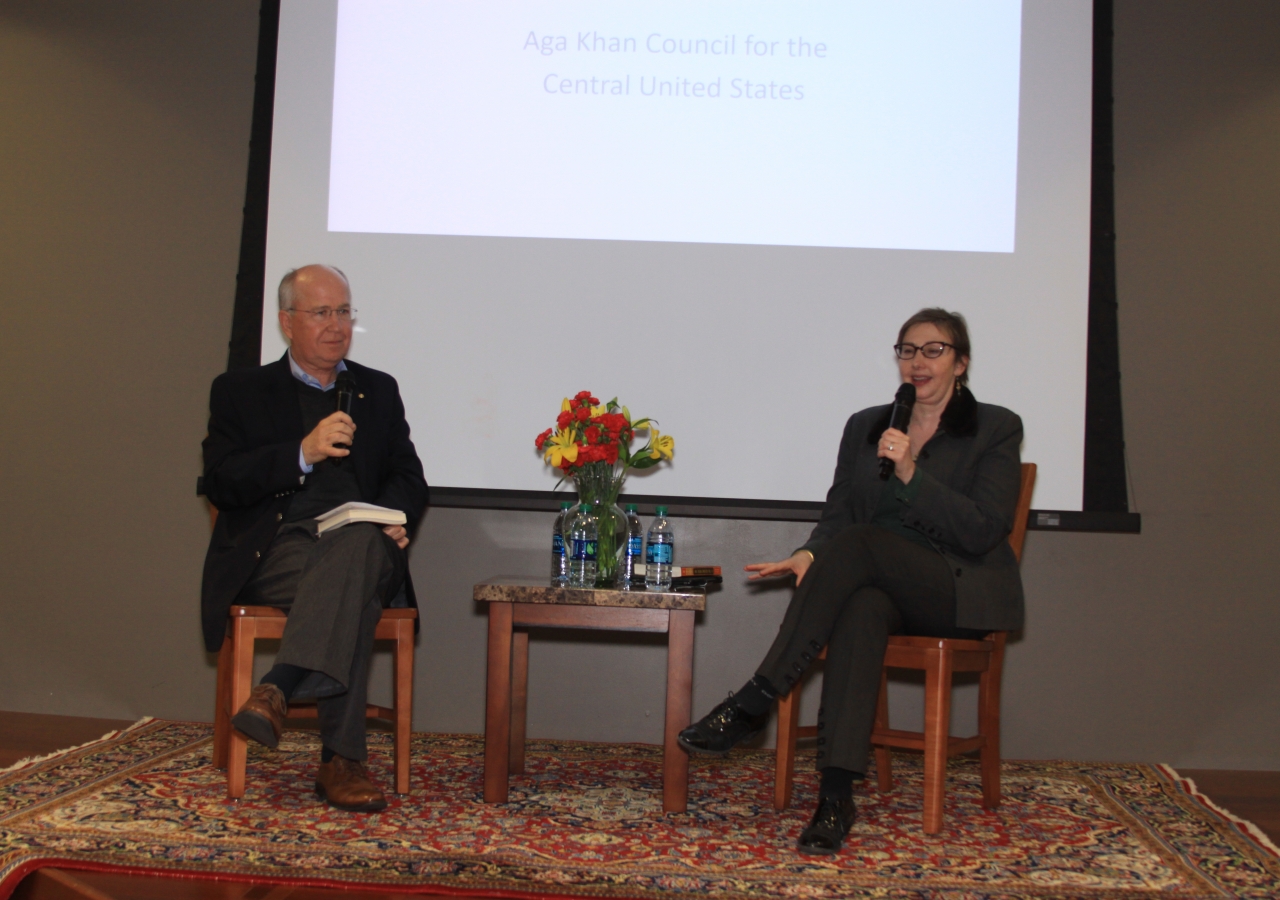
x=1250, y=795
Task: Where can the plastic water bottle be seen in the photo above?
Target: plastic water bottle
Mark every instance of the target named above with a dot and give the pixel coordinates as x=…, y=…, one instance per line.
x=660, y=553
x=633, y=552
x=583, y=531
x=559, y=559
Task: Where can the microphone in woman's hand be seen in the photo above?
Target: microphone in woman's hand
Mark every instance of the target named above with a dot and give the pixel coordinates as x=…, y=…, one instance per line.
x=899, y=419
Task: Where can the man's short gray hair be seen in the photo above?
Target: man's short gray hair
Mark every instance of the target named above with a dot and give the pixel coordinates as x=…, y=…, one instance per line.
x=284, y=294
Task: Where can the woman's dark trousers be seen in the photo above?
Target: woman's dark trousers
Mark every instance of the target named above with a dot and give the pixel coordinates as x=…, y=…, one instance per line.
x=863, y=586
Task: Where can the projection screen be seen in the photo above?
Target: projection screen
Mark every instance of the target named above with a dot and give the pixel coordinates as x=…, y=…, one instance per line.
x=719, y=212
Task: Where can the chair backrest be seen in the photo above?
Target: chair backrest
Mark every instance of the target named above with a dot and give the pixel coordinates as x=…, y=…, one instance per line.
x=1019, y=533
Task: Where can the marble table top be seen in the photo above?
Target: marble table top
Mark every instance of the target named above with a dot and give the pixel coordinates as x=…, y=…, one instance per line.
x=532, y=590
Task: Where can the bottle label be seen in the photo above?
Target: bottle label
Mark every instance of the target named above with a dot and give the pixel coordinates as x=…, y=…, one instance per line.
x=660, y=553
x=584, y=550
x=557, y=545
x=635, y=546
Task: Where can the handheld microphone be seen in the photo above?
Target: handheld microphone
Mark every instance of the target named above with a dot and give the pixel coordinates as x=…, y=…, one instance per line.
x=344, y=393
x=900, y=419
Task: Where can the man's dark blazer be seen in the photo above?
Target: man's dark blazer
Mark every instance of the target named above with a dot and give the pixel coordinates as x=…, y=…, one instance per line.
x=251, y=469
x=970, y=475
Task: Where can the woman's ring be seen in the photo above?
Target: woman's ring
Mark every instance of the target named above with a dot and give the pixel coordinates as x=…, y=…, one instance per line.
x=891, y=448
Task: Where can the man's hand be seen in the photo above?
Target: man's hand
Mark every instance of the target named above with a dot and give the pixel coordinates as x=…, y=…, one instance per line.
x=797, y=563
x=320, y=443
x=397, y=534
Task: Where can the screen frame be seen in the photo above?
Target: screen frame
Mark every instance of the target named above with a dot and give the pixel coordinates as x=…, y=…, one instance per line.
x=1105, y=502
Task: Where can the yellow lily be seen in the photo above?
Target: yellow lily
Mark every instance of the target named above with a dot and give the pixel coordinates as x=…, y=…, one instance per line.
x=598, y=411
x=626, y=414
x=565, y=405
x=560, y=448
x=664, y=445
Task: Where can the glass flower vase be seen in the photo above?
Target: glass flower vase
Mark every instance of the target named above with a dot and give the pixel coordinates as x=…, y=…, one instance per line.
x=598, y=488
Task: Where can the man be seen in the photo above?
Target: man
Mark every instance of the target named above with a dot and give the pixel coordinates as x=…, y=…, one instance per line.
x=277, y=456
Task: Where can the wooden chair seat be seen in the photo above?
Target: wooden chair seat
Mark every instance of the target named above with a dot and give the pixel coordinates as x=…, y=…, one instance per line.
x=247, y=624
x=939, y=658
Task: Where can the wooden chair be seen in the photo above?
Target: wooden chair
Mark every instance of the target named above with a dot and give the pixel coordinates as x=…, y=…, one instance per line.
x=938, y=658
x=235, y=680
x=247, y=624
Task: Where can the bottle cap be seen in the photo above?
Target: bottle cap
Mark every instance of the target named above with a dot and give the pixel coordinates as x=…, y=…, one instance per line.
x=630, y=507
x=565, y=504
x=661, y=511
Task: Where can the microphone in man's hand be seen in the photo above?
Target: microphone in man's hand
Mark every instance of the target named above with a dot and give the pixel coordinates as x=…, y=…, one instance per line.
x=343, y=395
x=900, y=419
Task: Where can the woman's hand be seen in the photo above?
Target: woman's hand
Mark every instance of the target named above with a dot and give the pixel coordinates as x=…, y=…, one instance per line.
x=797, y=563
x=896, y=445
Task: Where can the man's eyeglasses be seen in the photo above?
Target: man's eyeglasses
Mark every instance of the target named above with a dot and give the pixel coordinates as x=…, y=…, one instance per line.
x=344, y=314
x=931, y=350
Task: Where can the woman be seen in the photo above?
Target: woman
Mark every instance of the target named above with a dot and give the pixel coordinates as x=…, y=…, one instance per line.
x=925, y=552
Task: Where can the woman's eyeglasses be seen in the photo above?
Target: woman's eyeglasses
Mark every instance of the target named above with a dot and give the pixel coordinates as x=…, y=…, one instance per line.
x=931, y=350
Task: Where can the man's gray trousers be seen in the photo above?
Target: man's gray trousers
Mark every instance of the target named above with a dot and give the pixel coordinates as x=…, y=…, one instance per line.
x=334, y=587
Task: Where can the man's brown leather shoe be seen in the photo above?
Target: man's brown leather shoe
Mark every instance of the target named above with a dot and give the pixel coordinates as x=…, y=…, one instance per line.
x=263, y=714
x=343, y=783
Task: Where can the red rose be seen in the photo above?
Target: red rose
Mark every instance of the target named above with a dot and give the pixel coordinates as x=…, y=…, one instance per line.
x=582, y=413
x=563, y=420
x=542, y=439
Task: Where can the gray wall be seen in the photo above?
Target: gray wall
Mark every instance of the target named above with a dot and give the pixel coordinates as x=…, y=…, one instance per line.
x=123, y=145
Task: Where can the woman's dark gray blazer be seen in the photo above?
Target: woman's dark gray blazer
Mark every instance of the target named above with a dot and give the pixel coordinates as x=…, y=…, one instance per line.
x=970, y=474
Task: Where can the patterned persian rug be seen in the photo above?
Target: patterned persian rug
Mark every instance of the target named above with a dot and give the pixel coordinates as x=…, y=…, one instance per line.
x=586, y=821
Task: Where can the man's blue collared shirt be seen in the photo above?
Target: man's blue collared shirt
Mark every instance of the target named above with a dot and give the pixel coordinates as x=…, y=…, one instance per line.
x=307, y=379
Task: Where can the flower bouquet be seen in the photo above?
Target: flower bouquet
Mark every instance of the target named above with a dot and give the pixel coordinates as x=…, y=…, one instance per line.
x=591, y=444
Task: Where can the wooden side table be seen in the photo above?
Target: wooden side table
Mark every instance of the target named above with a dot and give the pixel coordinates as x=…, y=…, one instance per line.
x=527, y=603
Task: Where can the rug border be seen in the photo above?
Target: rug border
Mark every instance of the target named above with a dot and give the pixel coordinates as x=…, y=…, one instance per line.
x=1251, y=831
x=27, y=761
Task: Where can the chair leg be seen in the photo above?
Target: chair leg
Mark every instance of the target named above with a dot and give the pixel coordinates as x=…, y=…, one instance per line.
x=243, y=633
x=884, y=755
x=221, y=700
x=403, y=701
x=989, y=728
x=784, y=765
x=937, y=731
x=519, y=700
